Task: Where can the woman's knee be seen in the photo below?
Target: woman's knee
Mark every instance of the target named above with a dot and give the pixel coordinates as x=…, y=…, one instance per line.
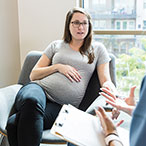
x=32, y=95
x=32, y=106
x=12, y=122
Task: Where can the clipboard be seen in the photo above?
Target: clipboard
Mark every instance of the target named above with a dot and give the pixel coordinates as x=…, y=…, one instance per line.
x=78, y=127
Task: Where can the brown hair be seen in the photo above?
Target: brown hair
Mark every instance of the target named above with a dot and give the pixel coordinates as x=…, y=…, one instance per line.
x=84, y=49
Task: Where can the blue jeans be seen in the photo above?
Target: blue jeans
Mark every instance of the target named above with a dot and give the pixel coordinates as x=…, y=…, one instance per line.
x=70, y=144
x=34, y=113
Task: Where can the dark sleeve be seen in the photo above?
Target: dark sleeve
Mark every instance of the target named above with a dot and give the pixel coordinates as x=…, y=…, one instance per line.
x=138, y=124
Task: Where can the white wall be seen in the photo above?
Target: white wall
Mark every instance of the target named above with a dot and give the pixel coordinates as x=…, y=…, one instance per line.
x=41, y=21
x=9, y=43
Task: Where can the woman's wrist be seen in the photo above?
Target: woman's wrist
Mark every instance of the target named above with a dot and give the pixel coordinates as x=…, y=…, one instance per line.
x=57, y=67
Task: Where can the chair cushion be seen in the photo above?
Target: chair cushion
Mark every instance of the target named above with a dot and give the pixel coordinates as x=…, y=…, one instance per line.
x=7, y=99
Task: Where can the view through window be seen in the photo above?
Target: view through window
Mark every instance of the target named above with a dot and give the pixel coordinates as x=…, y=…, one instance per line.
x=121, y=26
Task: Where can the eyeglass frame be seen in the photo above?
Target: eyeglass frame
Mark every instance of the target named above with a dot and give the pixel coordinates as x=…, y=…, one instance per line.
x=84, y=24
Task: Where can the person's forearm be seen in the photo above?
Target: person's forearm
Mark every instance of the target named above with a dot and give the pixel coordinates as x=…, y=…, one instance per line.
x=129, y=110
x=112, y=139
x=42, y=72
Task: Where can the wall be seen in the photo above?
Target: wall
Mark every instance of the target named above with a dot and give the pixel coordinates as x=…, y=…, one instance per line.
x=41, y=21
x=9, y=43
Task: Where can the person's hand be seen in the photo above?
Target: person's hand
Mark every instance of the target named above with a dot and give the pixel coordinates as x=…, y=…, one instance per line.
x=130, y=100
x=106, y=123
x=110, y=86
x=125, y=104
x=70, y=72
x=108, y=126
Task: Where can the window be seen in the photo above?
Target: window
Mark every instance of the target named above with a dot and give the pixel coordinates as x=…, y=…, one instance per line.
x=144, y=4
x=121, y=26
x=144, y=24
x=118, y=25
x=124, y=25
x=131, y=25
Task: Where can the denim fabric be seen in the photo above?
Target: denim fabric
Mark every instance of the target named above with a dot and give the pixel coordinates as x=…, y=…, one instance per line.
x=70, y=144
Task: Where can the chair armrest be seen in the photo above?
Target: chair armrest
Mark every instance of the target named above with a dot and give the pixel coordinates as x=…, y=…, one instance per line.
x=100, y=101
x=7, y=99
x=49, y=138
x=112, y=66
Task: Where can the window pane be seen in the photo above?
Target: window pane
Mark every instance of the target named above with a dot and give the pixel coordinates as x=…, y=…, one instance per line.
x=124, y=25
x=144, y=24
x=144, y=4
x=118, y=25
x=131, y=25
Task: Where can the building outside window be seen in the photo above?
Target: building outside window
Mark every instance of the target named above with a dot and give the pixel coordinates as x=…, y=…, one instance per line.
x=144, y=24
x=121, y=26
x=144, y=4
x=118, y=25
x=124, y=25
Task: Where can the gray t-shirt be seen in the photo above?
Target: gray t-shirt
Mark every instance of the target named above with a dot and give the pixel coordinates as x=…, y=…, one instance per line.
x=58, y=87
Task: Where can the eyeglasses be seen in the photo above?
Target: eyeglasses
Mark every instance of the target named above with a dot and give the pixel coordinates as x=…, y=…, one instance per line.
x=77, y=24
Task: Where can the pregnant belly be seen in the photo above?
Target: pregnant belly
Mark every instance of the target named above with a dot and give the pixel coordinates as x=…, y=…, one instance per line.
x=62, y=90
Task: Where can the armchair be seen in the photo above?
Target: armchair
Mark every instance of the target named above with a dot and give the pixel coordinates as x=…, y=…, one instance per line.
x=8, y=94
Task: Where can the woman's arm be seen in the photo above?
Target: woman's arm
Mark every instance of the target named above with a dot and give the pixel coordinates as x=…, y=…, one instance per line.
x=43, y=69
x=104, y=77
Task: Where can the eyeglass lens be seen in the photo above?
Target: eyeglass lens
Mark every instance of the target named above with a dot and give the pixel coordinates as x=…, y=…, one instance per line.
x=78, y=23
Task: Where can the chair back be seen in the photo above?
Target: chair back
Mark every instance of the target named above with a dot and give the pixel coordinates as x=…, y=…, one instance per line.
x=30, y=61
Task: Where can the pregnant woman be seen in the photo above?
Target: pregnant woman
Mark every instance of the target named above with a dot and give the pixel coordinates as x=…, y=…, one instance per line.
x=59, y=77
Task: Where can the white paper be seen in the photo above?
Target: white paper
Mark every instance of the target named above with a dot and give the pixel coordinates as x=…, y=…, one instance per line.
x=78, y=127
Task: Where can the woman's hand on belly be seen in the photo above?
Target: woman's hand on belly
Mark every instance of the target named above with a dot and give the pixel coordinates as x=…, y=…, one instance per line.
x=70, y=72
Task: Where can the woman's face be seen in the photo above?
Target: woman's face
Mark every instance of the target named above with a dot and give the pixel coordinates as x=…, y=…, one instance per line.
x=79, y=26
